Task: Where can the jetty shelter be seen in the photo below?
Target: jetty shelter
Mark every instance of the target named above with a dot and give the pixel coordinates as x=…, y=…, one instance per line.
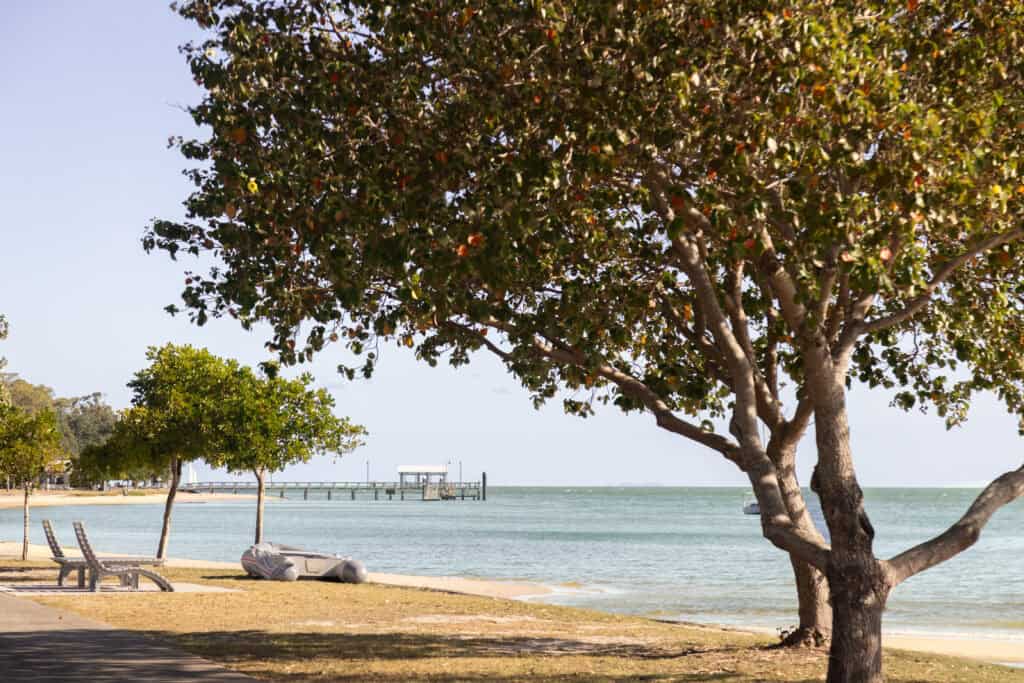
x=422, y=475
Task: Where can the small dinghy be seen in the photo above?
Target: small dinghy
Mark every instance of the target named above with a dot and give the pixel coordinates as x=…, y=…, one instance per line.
x=288, y=563
x=751, y=507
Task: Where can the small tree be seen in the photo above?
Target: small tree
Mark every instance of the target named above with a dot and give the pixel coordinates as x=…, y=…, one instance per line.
x=276, y=422
x=29, y=444
x=129, y=452
x=179, y=414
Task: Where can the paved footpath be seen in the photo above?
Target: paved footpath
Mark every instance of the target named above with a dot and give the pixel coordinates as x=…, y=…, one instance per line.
x=47, y=645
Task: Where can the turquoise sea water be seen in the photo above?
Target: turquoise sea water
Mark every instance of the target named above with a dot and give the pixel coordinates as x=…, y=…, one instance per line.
x=675, y=553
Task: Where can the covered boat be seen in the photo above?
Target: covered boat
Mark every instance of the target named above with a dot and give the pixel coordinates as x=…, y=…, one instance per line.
x=288, y=563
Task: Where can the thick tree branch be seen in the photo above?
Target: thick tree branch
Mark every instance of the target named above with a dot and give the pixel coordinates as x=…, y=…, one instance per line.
x=840, y=309
x=473, y=332
x=793, y=312
x=768, y=407
x=777, y=524
x=632, y=386
x=961, y=535
x=942, y=273
x=664, y=416
x=686, y=248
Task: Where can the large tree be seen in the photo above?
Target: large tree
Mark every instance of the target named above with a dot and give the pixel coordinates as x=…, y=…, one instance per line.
x=31, y=397
x=30, y=443
x=276, y=422
x=720, y=212
x=178, y=415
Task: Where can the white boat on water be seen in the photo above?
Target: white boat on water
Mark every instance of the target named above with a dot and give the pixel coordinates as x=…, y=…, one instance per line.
x=751, y=507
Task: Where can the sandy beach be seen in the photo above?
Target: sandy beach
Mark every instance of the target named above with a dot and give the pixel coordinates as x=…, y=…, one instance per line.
x=14, y=499
x=985, y=649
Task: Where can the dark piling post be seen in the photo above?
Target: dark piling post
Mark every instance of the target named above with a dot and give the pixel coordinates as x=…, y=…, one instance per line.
x=483, y=486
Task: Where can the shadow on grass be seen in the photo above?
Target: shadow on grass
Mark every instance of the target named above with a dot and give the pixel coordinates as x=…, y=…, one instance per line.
x=23, y=573
x=274, y=653
x=349, y=657
x=106, y=656
x=78, y=655
x=285, y=647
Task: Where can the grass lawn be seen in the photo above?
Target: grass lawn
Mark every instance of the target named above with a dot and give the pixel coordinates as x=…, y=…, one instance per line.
x=337, y=632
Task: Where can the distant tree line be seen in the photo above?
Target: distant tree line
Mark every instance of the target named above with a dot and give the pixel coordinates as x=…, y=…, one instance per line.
x=187, y=405
x=82, y=421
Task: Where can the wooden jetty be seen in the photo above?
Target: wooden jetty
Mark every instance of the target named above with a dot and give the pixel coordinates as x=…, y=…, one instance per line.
x=404, y=489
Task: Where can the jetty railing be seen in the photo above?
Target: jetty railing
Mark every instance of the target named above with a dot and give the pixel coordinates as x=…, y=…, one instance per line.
x=377, y=490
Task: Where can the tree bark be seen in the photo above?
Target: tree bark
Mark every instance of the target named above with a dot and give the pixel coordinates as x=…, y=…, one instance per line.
x=858, y=591
x=25, y=517
x=260, y=491
x=858, y=583
x=165, y=531
x=813, y=606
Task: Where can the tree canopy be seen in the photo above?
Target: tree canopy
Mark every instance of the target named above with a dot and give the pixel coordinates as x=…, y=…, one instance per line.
x=29, y=444
x=182, y=391
x=276, y=422
x=85, y=421
x=33, y=398
x=716, y=211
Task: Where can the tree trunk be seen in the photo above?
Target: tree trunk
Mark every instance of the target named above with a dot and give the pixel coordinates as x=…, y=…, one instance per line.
x=260, y=490
x=161, y=550
x=859, y=592
x=815, y=612
x=813, y=608
x=858, y=583
x=25, y=517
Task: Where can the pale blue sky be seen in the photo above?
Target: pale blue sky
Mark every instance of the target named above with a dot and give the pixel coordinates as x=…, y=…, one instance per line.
x=90, y=92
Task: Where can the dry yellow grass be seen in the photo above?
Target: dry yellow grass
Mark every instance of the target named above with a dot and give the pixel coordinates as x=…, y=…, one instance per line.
x=336, y=632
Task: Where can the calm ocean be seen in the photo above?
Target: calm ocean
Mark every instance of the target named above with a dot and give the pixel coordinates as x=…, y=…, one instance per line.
x=675, y=553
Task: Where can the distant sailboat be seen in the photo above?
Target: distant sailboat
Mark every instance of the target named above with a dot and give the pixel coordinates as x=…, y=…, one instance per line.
x=751, y=507
x=190, y=475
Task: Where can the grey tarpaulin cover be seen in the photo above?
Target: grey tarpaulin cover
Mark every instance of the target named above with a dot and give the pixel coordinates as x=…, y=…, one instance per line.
x=287, y=563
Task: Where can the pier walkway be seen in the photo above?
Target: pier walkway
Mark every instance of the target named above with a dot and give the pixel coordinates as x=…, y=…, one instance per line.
x=351, y=490
x=40, y=644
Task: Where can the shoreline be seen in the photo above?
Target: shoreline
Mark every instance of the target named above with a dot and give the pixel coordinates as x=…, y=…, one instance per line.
x=14, y=499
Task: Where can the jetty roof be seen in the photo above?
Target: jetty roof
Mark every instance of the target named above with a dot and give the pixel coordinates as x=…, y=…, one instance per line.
x=423, y=469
